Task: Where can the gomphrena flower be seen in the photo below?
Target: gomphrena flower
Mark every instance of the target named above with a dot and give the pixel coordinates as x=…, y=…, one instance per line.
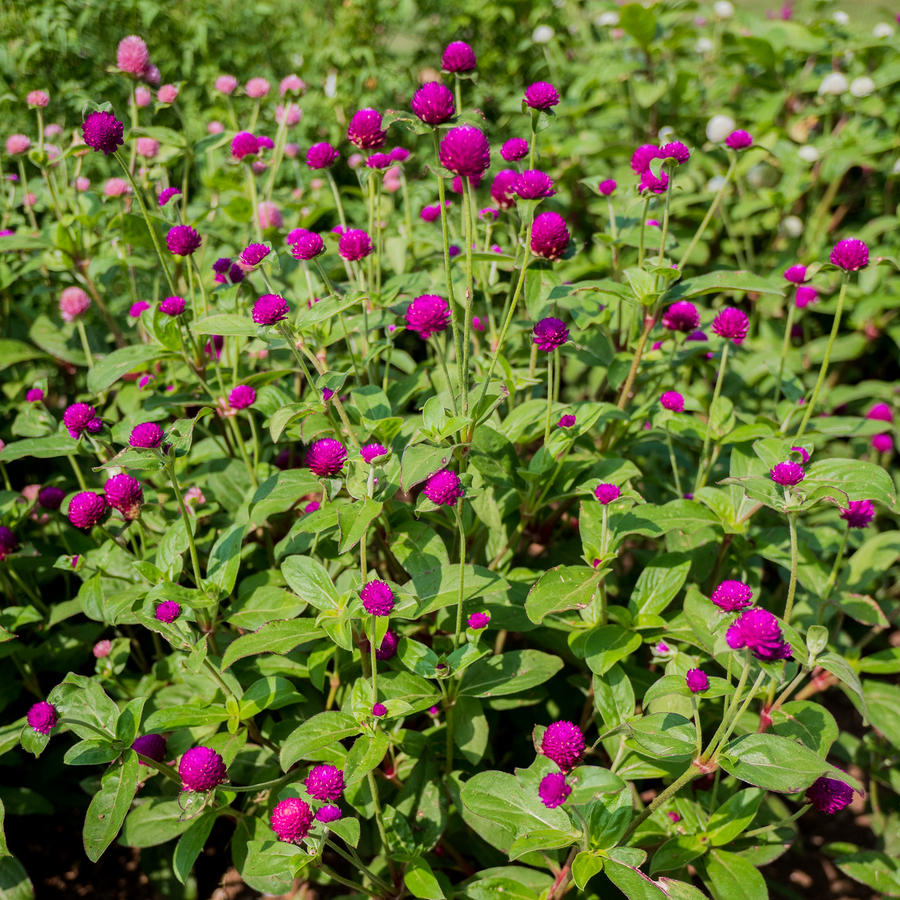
x=244, y=144
x=553, y=790
x=252, y=255
x=458, y=57
x=50, y=497
x=167, y=194
x=86, y=509
x=388, y=646
x=326, y=457
x=103, y=131
x=77, y=417
x=796, y=274
x=675, y=150
x=650, y=182
x=828, y=795
x=321, y=156
x=242, y=397
x=731, y=596
x=443, y=488
x=681, y=316
x=266, y=143
x=731, y=324
x=257, y=88
x=152, y=746
x=379, y=161
x=147, y=435
x=182, y=240
x=433, y=103
x=399, y=155
x=478, y=620
x=167, y=611
x=642, y=157
x=549, y=235
x=377, y=600
x=132, y=55
x=697, y=680
x=606, y=493
x=805, y=296
x=465, y=151
x=567, y=422
x=42, y=717
x=324, y=782
x=365, y=130
x=269, y=215
x=379, y=710
x=327, y=814
x=201, y=769
x=882, y=443
x=116, y=187
x=73, y=302
x=428, y=315
x=787, y=473
x=305, y=244
x=514, y=149
x=372, y=451
x=137, y=308
x=17, y=143
x=673, y=401
x=541, y=95
x=292, y=83
x=148, y=147
x=803, y=454
x=859, y=514
x=291, y=820
x=607, y=187
x=550, y=333
x=880, y=412
x=101, y=649
x=354, y=244
x=850, y=255
x=563, y=743
x=126, y=494
x=503, y=188
x=759, y=631
x=226, y=84
x=739, y=140
x=533, y=185
x=270, y=309
x=8, y=542
x=34, y=395
x=172, y=306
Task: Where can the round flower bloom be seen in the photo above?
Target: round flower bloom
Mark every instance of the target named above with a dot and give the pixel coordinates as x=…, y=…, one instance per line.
x=503, y=188
x=550, y=333
x=377, y=599
x=882, y=443
x=182, y=240
x=269, y=309
x=833, y=83
x=514, y=149
x=291, y=151
x=167, y=194
x=681, y=316
x=606, y=493
x=101, y=649
x=51, y=497
x=116, y=187
x=35, y=395
x=534, y=184
x=77, y=417
x=8, y=542
x=132, y=55
x=172, y=306
x=697, y=680
x=292, y=83
x=796, y=274
x=365, y=130
x=321, y=156
x=324, y=783
x=541, y=95
x=326, y=457
x=201, y=769
x=126, y=494
x=37, y=99
x=731, y=324
x=443, y=488
x=567, y=422
x=731, y=596
x=257, y=88
x=17, y=143
x=549, y=235
x=465, y=151
x=147, y=436
x=252, y=255
x=152, y=746
x=649, y=182
x=244, y=144
x=787, y=473
x=372, y=451
x=73, y=302
x=137, y=308
x=150, y=74
x=378, y=161
x=292, y=112
x=428, y=315
x=859, y=514
x=326, y=814
x=354, y=244
x=167, y=611
x=828, y=795
x=430, y=213
x=553, y=790
x=399, y=155
x=388, y=646
x=458, y=57
x=759, y=631
x=563, y=743
x=478, y=620
x=242, y=397
x=311, y=507
x=82, y=184
x=42, y=717
x=739, y=140
x=675, y=150
x=291, y=820
x=269, y=215
x=103, y=131
x=86, y=509
x=805, y=296
x=379, y=710
x=642, y=157
x=225, y=84
x=606, y=187
x=850, y=255
x=433, y=103
x=673, y=401
x=147, y=147
x=880, y=412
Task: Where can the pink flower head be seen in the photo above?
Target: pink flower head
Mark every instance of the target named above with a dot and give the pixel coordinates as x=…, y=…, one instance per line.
x=82, y=184
x=804, y=455
x=850, y=255
x=8, y=542
x=242, y=397
x=379, y=710
x=567, y=422
x=553, y=790
x=759, y=631
x=147, y=147
x=257, y=88
x=137, y=308
x=365, y=130
x=433, y=103
x=606, y=493
x=42, y=717
x=37, y=99
x=430, y=213
x=697, y=680
x=503, y=188
x=292, y=112
x=225, y=84
x=86, y=509
x=321, y=156
x=153, y=746
x=541, y=95
x=201, y=769
x=388, y=647
x=642, y=157
x=77, y=417
x=326, y=457
x=550, y=333
x=142, y=96
x=73, y=302
x=465, y=151
x=270, y=309
x=324, y=783
x=458, y=57
x=17, y=143
x=739, y=140
x=859, y=514
x=167, y=611
x=244, y=144
x=269, y=215
x=182, y=240
x=399, y=155
x=880, y=412
x=675, y=150
x=312, y=507
x=443, y=488
x=103, y=131
x=126, y=494
x=730, y=596
x=549, y=235
x=563, y=743
x=253, y=255
x=796, y=274
x=354, y=244
x=882, y=443
x=101, y=650
x=291, y=151
x=478, y=621
x=305, y=244
x=787, y=473
x=35, y=395
x=514, y=149
x=167, y=194
x=146, y=436
x=292, y=84
x=477, y=323
x=168, y=93
x=132, y=55
x=534, y=184
x=731, y=324
x=150, y=74
x=328, y=814
x=828, y=795
x=649, y=182
x=378, y=161
x=428, y=315
x=116, y=187
x=172, y=306
x=291, y=820
x=606, y=187
x=377, y=599
x=805, y=296
x=673, y=401
x=372, y=451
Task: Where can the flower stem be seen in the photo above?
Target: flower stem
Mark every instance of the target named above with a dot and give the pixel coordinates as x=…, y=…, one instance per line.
x=549, y=399
x=195, y=561
x=688, y=775
x=785, y=346
x=636, y=362
x=720, y=377
x=462, y=571
x=442, y=360
x=372, y=650
x=774, y=825
x=709, y=213
x=673, y=462
x=643, y=228
x=379, y=821
x=789, y=606
x=736, y=697
x=251, y=186
x=84, y=342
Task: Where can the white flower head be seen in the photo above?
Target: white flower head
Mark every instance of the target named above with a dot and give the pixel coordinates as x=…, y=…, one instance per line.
x=666, y=134
x=792, y=226
x=723, y=9
x=896, y=169
x=607, y=20
x=834, y=83
x=808, y=153
x=883, y=30
x=719, y=127
x=543, y=34
x=330, y=88
x=862, y=86
x=704, y=45
x=840, y=18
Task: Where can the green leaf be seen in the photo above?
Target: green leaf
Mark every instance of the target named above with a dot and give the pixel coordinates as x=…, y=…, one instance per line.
x=438, y=588
x=420, y=880
x=590, y=782
x=606, y=645
x=225, y=559
x=154, y=822
x=665, y=735
x=807, y=722
x=119, y=362
x=640, y=23
x=322, y=730
x=716, y=282
x=4, y=850
x=367, y=752
x=500, y=798
x=659, y=582
x=419, y=461
x=471, y=731
x=874, y=868
x=272, y=692
x=191, y=843
x=561, y=588
x=310, y=581
x=610, y=816
x=40, y=448
x=733, y=816
x=541, y=839
x=839, y=666
x=584, y=867
x=279, y=421
x=129, y=721
x=225, y=324
x=678, y=852
x=187, y=716
x=858, y=480
x=883, y=703
x=347, y=830
x=684, y=516
x=110, y=805
x=14, y=881
x=733, y=877
x=509, y=673
x=276, y=637
x=328, y=309
x=632, y=882
x=354, y=520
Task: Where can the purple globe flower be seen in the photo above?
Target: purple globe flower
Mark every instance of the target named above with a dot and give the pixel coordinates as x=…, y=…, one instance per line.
x=270, y=309
x=242, y=397
x=172, y=306
x=327, y=814
x=787, y=474
x=465, y=151
x=553, y=790
x=549, y=236
x=430, y=213
x=681, y=316
x=167, y=611
x=324, y=783
x=759, y=631
x=354, y=244
x=882, y=443
x=147, y=435
x=541, y=95
x=50, y=497
x=563, y=743
x=182, y=240
x=326, y=457
x=379, y=161
x=805, y=296
x=428, y=315
x=739, y=140
x=8, y=542
x=291, y=820
x=880, y=412
x=731, y=324
x=152, y=746
x=126, y=494
x=201, y=769
x=244, y=144
x=458, y=57
x=443, y=488
x=77, y=417
x=305, y=244
x=673, y=401
x=514, y=149
x=731, y=596
x=675, y=150
x=399, y=155
x=252, y=255
x=567, y=422
x=606, y=493
x=137, y=308
x=433, y=103
x=478, y=620
x=42, y=717
x=167, y=194
x=503, y=188
x=372, y=451
x=35, y=395
x=607, y=187
x=650, y=182
x=534, y=185
x=377, y=598
x=365, y=130
x=321, y=156
x=103, y=131
x=828, y=795
x=388, y=646
x=550, y=333
x=796, y=274
x=697, y=680
x=379, y=710
x=850, y=255
x=86, y=509
x=642, y=157
x=859, y=514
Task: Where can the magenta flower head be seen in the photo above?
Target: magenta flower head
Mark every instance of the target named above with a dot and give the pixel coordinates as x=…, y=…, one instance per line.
x=372, y=451
x=697, y=680
x=86, y=509
x=433, y=103
x=201, y=769
x=443, y=488
x=291, y=820
x=828, y=795
x=8, y=542
x=882, y=443
x=305, y=244
x=649, y=182
x=257, y=88
x=321, y=156
x=730, y=596
x=252, y=255
x=796, y=274
x=673, y=401
x=607, y=187
x=167, y=194
x=167, y=611
x=51, y=497
x=354, y=244
x=541, y=95
x=132, y=55
x=126, y=494
x=880, y=412
x=642, y=157
x=182, y=240
x=804, y=455
x=731, y=324
x=225, y=84
x=388, y=646
x=563, y=743
x=675, y=150
x=514, y=149
x=327, y=814
x=326, y=457
x=379, y=710
x=172, y=306
x=77, y=417
x=533, y=185
x=152, y=746
x=739, y=140
x=553, y=790
x=428, y=315
x=478, y=621
x=465, y=151
x=269, y=309
x=242, y=397
x=73, y=302
x=103, y=131
x=399, y=155
x=567, y=422
x=458, y=57
x=859, y=514
x=850, y=255
x=147, y=436
x=244, y=144
x=137, y=308
x=759, y=631
x=805, y=296
x=681, y=316
x=324, y=783
x=787, y=474
x=101, y=649
x=42, y=717
x=365, y=130
x=503, y=188
x=550, y=333
x=606, y=493
x=549, y=235
x=430, y=213
x=379, y=161
x=377, y=599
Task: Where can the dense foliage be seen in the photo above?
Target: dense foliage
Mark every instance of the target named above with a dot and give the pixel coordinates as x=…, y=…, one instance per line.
x=468, y=475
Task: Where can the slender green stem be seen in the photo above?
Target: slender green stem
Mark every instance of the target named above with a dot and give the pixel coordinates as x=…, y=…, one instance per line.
x=239, y=440
x=549, y=399
x=254, y=202
x=736, y=718
x=636, y=362
x=373, y=646
x=436, y=342
x=795, y=558
x=673, y=461
x=643, y=229
x=720, y=377
x=785, y=346
x=767, y=828
x=80, y=478
x=665, y=228
x=470, y=293
x=735, y=699
x=697, y=725
x=709, y=214
x=688, y=775
x=219, y=680
x=195, y=561
x=835, y=569
x=379, y=821
x=79, y=324
x=613, y=232
x=346, y=882
x=353, y=857
x=337, y=198
x=462, y=571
